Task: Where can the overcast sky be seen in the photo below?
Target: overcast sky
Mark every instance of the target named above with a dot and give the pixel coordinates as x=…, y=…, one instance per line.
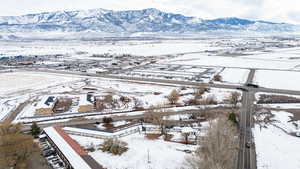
x=271, y=10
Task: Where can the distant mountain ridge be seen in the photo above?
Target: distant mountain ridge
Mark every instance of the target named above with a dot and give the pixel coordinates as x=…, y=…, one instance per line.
x=131, y=21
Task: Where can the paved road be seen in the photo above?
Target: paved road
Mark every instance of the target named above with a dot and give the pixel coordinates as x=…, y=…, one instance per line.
x=115, y=117
x=247, y=156
x=250, y=76
x=172, y=82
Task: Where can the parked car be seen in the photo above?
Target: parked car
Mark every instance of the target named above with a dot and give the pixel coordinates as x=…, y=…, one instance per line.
x=49, y=153
x=51, y=157
x=248, y=144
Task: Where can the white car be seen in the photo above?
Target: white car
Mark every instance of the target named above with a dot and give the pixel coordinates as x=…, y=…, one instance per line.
x=298, y=133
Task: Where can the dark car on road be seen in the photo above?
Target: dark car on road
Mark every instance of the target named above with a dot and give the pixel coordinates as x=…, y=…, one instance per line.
x=248, y=144
x=242, y=89
x=252, y=85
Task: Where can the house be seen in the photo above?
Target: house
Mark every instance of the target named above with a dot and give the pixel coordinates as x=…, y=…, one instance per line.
x=86, y=103
x=46, y=105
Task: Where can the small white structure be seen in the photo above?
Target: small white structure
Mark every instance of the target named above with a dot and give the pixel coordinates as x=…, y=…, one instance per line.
x=96, y=70
x=187, y=130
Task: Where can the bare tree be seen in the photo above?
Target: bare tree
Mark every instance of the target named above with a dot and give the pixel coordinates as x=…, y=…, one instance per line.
x=186, y=137
x=199, y=92
x=234, y=98
x=217, y=78
x=15, y=148
x=99, y=105
x=219, y=148
x=173, y=97
x=156, y=115
x=137, y=104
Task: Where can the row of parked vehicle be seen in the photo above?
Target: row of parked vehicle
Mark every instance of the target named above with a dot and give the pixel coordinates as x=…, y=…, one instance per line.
x=51, y=156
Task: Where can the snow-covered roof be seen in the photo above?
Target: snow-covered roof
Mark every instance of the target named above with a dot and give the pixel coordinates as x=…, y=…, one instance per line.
x=73, y=157
x=100, y=133
x=46, y=102
x=83, y=100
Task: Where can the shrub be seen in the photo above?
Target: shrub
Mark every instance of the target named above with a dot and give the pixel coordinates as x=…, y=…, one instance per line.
x=191, y=102
x=217, y=78
x=234, y=98
x=168, y=137
x=99, y=105
x=153, y=136
x=183, y=88
x=114, y=146
x=91, y=148
x=35, y=130
x=107, y=120
x=232, y=117
x=124, y=99
x=210, y=100
x=173, y=97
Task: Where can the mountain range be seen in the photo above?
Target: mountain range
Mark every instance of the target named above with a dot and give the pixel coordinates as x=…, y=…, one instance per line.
x=132, y=21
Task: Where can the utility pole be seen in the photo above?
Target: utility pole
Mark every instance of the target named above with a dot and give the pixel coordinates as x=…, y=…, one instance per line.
x=149, y=157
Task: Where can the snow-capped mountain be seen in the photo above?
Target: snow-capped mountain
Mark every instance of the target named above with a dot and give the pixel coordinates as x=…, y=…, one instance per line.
x=133, y=21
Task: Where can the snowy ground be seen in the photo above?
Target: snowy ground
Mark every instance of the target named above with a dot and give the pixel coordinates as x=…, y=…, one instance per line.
x=72, y=48
x=234, y=76
x=26, y=81
x=162, y=155
x=236, y=62
x=278, y=79
x=275, y=148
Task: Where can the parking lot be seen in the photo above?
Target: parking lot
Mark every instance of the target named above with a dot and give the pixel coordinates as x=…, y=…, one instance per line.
x=50, y=154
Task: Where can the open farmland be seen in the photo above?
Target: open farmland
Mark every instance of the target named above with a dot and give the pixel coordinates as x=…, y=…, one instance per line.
x=191, y=84
x=14, y=82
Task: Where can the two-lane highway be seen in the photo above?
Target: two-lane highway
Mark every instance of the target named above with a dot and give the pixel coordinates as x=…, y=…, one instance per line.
x=247, y=157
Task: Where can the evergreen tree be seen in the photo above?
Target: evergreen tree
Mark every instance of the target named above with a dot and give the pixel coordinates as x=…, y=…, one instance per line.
x=35, y=129
x=232, y=117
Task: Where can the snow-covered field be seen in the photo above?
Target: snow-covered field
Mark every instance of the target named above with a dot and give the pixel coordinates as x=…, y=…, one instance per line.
x=289, y=54
x=17, y=87
x=8, y=105
x=276, y=148
x=139, y=48
x=26, y=81
x=144, y=154
x=278, y=79
x=235, y=76
x=236, y=62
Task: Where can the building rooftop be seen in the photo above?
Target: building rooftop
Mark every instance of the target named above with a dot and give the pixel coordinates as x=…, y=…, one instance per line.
x=70, y=149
